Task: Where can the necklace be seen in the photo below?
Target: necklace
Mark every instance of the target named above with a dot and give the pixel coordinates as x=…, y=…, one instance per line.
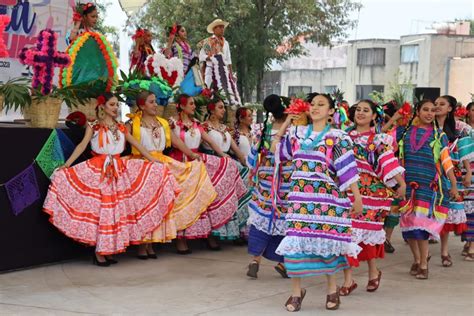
x=222, y=129
x=309, y=144
x=155, y=128
x=115, y=131
x=414, y=146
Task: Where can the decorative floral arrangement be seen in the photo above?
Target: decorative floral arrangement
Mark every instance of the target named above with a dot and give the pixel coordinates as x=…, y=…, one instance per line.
x=4, y=20
x=170, y=70
x=405, y=111
x=43, y=58
x=66, y=73
x=158, y=86
x=76, y=120
x=461, y=111
x=298, y=106
x=139, y=33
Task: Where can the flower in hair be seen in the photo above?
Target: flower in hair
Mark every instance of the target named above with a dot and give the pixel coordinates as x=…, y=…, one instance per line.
x=211, y=106
x=139, y=33
x=101, y=100
x=461, y=111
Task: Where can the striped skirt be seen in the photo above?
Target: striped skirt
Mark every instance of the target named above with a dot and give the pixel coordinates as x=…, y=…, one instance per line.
x=300, y=266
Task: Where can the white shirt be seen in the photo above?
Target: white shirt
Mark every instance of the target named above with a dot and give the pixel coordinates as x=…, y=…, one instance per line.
x=149, y=142
x=225, y=54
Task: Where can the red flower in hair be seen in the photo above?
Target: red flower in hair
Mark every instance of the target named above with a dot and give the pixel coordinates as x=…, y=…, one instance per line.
x=101, y=100
x=76, y=119
x=405, y=110
x=138, y=33
x=211, y=106
x=183, y=100
x=297, y=106
x=174, y=29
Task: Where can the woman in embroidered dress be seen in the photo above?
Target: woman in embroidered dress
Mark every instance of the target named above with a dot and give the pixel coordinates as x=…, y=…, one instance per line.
x=222, y=170
x=221, y=135
x=141, y=50
x=461, y=151
x=85, y=19
x=197, y=192
x=243, y=137
x=379, y=171
x=318, y=236
x=423, y=149
x=109, y=202
x=269, y=203
x=468, y=235
x=178, y=46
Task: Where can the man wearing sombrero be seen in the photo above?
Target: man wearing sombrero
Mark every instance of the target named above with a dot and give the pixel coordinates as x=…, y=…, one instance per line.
x=216, y=62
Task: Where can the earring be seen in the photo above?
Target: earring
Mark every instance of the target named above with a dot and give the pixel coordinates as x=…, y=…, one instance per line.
x=101, y=113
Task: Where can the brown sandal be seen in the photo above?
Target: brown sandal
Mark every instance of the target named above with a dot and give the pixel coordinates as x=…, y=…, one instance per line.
x=446, y=261
x=293, y=304
x=414, y=269
x=333, y=298
x=374, y=283
x=422, y=274
x=469, y=257
x=465, y=250
x=346, y=290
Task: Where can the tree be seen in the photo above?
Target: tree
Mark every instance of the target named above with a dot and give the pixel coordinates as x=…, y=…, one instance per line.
x=260, y=31
x=110, y=31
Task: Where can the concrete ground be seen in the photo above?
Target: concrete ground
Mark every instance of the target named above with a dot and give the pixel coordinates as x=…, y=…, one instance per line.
x=214, y=283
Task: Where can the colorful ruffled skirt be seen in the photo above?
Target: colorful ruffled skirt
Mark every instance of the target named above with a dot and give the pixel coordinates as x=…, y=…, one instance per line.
x=197, y=193
x=225, y=178
x=110, y=210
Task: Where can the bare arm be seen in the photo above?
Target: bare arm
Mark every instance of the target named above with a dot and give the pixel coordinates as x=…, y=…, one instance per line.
x=208, y=139
x=80, y=148
x=392, y=122
x=402, y=187
x=468, y=177
x=282, y=131
x=177, y=143
x=237, y=151
x=454, y=186
x=357, y=206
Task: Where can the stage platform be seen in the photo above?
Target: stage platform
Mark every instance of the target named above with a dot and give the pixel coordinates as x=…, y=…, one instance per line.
x=29, y=239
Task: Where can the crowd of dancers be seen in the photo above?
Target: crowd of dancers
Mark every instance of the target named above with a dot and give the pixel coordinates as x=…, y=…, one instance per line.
x=309, y=189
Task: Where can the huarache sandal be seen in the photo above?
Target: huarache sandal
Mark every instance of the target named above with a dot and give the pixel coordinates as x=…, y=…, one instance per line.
x=373, y=284
x=414, y=268
x=422, y=274
x=389, y=247
x=465, y=250
x=293, y=304
x=446, y=261
x=281, y=269
x=253, y=269
x=334, y=299
x=469, y=257
x=346, y=290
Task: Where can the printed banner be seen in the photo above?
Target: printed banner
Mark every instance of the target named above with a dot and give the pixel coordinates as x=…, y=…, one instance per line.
x=22, y=190
x=51, y=155
x=28, y=18
x=66, y=144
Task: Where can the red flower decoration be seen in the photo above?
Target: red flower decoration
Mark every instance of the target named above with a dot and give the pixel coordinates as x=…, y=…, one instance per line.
x=101, y=100
x=414, y=185
x=206, y=93
x=76, y=119
x=174, y=29
x=405, y=110
x=139, y=33
x=183, y=100
x=461, y=111
x=297, y=106
x=211, y=106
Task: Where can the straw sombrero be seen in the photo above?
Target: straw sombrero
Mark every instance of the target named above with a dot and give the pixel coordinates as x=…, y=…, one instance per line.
x=216, y=22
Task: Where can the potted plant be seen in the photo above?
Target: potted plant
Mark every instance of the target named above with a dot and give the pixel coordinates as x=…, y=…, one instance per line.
x=15, y=94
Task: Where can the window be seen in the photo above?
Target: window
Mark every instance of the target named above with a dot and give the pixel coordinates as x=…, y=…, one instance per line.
x=371, y=57
x=362, y=92
x=409, y=54
x=298, y=90
x=330, y=89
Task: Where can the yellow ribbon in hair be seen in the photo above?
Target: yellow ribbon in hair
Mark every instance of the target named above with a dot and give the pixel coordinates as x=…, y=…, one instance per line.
x=136, y=119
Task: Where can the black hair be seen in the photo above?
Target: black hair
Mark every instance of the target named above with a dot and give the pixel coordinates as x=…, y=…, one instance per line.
x=238, y=114
x=373, y=107
x=275, y=105
x=449, y=127
x=468, y=108
x=312, y=95
x=91, y=8
x=390, y=108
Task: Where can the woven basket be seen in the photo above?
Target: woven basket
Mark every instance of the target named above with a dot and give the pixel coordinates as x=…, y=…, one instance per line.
x=87, y=108
x=43, y=113
x=302, y=120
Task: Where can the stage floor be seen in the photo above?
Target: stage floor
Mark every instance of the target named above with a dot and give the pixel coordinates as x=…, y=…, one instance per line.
x=214, y=283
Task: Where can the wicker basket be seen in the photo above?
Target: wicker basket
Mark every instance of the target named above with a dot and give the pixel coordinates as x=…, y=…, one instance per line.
x=302, y=120
x=87, y=108
x=43, y=113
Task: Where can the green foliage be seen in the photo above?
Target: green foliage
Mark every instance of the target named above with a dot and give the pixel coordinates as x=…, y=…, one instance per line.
x=257, y=28
x=17, y=93
x=400, y=90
